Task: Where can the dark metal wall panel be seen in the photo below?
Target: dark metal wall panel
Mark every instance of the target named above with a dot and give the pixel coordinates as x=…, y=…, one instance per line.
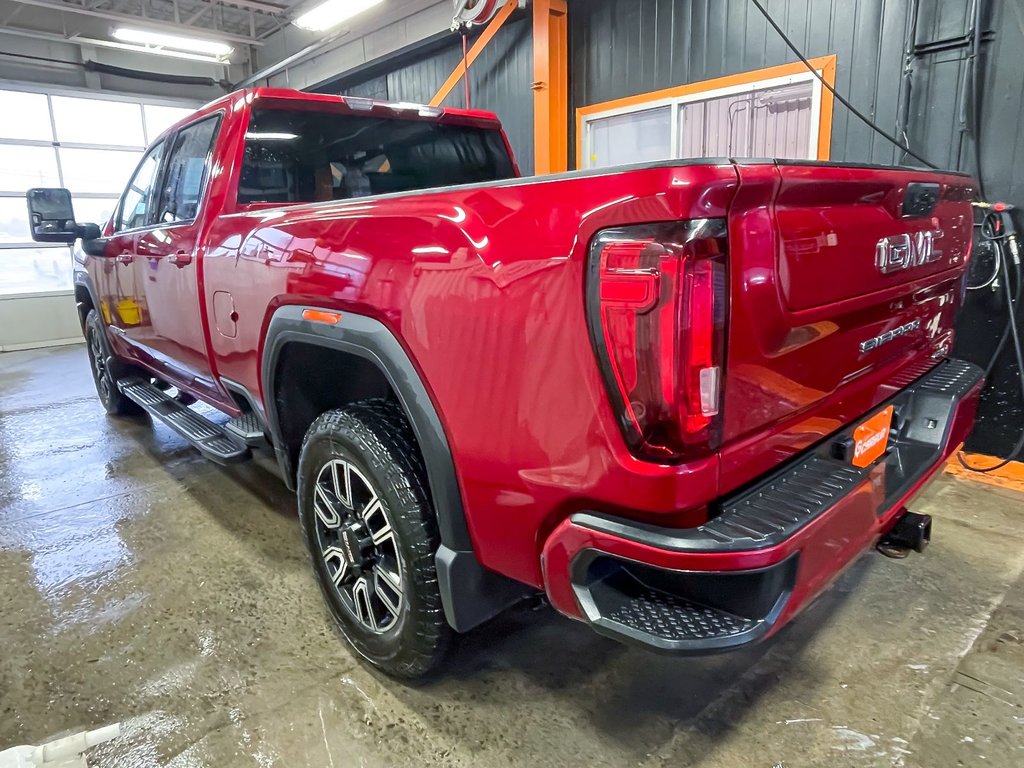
x=499, y=82
x=1001, y=415
x=374, y=88
x=626, y=47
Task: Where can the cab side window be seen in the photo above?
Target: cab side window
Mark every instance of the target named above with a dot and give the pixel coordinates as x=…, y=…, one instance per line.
x=137, y=202
x=187, y=170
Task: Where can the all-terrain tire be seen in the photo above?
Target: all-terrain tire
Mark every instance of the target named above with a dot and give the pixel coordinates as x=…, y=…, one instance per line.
x=372, y=441
x=106, y=369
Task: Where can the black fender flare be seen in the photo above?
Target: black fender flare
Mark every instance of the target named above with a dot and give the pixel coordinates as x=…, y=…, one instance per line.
x=82, y=279
x=471, y=593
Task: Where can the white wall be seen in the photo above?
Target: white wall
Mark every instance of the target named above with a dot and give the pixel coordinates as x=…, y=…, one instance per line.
x=38, y=321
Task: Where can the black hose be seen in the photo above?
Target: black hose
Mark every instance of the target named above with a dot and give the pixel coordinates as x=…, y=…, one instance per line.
x=842, y=100
x=1013, y=299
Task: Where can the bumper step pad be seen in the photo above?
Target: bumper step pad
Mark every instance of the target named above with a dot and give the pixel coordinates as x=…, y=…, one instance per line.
x=674, y=619
x=678, y=611
x=208, y=438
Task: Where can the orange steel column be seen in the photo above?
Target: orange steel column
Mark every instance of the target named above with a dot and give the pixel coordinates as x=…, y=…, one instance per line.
x=550, y=86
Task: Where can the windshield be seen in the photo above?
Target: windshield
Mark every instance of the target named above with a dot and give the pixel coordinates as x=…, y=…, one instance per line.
x=303, y=156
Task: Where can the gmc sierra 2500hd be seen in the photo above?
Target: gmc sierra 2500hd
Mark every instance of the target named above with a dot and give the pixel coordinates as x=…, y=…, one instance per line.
x=678, y=398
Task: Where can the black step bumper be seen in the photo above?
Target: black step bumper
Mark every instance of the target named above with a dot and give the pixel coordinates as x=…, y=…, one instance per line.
x=771, y=547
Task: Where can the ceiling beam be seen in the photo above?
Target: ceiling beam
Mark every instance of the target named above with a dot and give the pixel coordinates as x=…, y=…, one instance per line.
x=157, y=24
x=196, y=16
x=251, y=5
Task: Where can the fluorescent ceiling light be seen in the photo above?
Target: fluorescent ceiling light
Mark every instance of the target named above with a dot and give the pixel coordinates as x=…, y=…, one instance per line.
x=189, y=44
x=272, y=136
x=331, y=13
x=144, y=49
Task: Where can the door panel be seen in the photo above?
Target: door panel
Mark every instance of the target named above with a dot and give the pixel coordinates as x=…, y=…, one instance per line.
x=114, y=281
x=122, y=301
x=167, y=263
x=173, y=334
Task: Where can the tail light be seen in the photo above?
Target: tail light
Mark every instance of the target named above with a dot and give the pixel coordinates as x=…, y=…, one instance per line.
x=656, y=305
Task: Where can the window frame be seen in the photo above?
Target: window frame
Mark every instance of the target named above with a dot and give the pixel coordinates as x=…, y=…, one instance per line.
x=207, y=165
x=157, y=177
x=170, y=139
x=819, y=147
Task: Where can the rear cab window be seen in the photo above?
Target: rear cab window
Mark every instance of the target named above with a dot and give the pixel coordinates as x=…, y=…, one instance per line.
x=316, y=155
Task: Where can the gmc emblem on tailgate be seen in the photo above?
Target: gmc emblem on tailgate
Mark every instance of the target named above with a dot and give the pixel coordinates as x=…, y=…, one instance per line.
x=899, y=252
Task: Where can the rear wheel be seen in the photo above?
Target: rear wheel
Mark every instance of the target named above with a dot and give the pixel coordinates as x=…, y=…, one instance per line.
x=106, y=370
x=372, y=535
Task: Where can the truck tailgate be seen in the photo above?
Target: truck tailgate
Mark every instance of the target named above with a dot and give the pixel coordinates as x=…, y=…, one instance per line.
x=844, y=284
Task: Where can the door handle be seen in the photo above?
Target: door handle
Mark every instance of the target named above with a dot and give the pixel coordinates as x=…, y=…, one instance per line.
x=180, y=259
x=126, y=257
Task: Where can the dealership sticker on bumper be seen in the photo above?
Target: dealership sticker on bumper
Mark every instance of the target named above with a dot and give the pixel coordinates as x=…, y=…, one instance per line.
x=871, y=438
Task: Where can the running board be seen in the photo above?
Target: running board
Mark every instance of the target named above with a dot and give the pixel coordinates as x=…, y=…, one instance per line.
x=248, y=428
x=206, y=437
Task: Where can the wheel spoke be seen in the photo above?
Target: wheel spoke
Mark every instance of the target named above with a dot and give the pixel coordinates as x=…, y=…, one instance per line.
x=335, y=555
x=384, y=536
x=363, y=606
x=325, y=508
x=389, y=592
x=373, y=506
x=342, y=482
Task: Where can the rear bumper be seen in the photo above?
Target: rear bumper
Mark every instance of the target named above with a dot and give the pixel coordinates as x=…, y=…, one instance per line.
x=770, y=549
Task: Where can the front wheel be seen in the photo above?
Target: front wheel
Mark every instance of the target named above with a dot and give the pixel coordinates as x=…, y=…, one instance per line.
x=106, y=369
x=372, y=535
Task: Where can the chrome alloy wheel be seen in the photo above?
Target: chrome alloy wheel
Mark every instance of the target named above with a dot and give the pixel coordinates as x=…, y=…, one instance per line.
x=358, y=545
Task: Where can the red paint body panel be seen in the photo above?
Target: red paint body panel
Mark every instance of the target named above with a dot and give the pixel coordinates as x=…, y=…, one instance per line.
x=483, y=285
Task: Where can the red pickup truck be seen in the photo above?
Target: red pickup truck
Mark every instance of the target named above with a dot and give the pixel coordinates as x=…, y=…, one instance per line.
x=677, y=398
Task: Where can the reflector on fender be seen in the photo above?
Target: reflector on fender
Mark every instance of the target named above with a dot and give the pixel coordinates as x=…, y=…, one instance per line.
x=321, y=316
x=656, y=301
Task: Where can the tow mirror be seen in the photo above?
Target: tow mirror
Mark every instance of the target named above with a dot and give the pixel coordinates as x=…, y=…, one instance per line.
x=52, y=217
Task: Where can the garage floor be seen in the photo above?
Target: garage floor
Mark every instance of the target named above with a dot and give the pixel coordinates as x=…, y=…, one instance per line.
x=140, y=583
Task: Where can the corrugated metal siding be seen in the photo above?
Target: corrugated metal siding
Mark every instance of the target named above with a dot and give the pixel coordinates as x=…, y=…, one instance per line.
x=375, y=88
x=499, y=81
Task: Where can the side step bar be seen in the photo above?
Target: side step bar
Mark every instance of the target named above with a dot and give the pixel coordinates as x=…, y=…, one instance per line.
x=248, y=428
x=208, y=438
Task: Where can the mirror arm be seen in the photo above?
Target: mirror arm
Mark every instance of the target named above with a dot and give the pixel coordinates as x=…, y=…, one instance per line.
x=93, y=243
x=88, y=231
x=94, y=246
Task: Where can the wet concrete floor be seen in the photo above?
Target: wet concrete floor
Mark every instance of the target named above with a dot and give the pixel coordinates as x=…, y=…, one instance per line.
x=140, y=583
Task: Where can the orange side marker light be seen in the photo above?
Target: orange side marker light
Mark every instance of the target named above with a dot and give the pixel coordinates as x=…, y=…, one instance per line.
x=320, y=316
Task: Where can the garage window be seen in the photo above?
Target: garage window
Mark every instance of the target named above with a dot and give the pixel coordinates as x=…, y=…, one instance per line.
x=777, y=112
x=88, y=145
